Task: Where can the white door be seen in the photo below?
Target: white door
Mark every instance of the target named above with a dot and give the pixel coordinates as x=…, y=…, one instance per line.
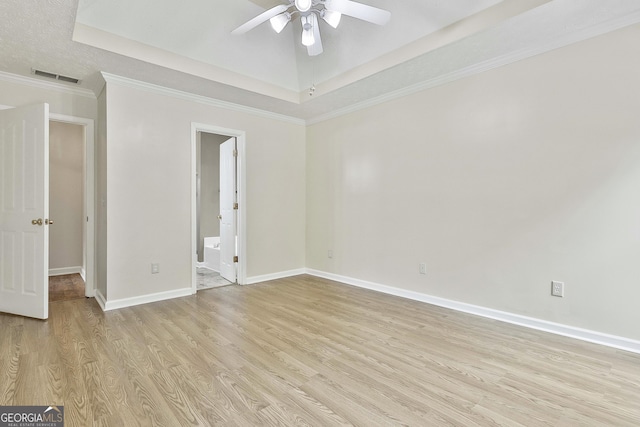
x=227, y=211
x=24, y=211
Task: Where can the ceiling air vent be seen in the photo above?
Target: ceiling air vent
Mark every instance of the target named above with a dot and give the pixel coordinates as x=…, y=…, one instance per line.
x=55, y=76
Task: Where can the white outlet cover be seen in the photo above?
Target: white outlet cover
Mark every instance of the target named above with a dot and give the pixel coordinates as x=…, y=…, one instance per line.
x=557, y=288
x=422, y=268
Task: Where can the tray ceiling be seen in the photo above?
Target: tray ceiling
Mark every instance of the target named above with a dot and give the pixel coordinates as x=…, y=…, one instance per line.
x=188, y=47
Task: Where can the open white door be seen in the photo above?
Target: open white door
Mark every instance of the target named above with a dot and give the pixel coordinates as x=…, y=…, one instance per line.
x=227, y=211
x=24, y=211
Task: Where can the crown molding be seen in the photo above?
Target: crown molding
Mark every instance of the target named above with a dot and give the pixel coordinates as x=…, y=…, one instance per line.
x=186, y=96
x=499, y=61
x=41, y=84
x=111, y=42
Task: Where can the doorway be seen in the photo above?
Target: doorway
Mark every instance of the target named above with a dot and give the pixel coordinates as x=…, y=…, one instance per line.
x=216, y=179
x=218, y=215
x=25, y=223
x=67, y=255
x=71, y=206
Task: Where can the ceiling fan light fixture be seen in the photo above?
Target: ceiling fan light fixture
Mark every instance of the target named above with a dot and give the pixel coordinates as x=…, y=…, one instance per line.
x=278, y=22
x=331, y=17
x=307, y=31
x=303, y=5
x=310, y=12
x=307, y=37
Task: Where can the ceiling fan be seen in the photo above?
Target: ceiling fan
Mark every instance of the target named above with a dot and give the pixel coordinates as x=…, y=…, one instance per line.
x=309, y=11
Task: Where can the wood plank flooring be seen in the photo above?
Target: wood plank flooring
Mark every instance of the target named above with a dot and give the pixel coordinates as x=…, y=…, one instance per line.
x=66, y=287
x=310, y=352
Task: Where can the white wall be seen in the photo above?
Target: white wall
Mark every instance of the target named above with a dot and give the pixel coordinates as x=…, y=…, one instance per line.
x=17, y=91
x=66, y=195
x=148, y=164
x=500, y=183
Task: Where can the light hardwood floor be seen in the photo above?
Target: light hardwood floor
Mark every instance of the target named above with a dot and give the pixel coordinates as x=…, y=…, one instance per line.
x=308, y=351
x=66, y=287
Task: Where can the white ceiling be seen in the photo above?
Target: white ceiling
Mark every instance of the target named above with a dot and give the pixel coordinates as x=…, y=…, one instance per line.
x=202, y=31
x=188, y=46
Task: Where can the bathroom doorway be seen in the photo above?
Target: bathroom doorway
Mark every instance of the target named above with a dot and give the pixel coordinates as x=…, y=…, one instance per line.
x=218, y=214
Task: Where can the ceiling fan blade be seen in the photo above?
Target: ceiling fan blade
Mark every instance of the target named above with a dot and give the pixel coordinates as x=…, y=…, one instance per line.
x=263, y=17
x=359, y=10
x=316, y=47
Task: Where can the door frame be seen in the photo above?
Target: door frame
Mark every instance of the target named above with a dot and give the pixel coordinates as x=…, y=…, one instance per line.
x=89, y=192
x=89, y=195
x=241, y=197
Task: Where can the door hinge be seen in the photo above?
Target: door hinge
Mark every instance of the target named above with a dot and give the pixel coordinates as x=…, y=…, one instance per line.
x=235, y=206
x=235, y=153
x=235, y=258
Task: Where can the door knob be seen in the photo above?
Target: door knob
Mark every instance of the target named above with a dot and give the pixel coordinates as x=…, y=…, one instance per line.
x=37, y=221
x=219, y=216
x=48, y=221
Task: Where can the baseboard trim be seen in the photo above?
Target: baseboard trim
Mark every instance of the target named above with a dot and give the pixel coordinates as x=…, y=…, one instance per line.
x=100, y=299
x=143, y=299
x=274, y=276
x=66, y=270
x=613, y=341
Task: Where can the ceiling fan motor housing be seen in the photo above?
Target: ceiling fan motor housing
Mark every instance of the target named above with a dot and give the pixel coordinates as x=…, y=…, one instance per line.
x=303, y=5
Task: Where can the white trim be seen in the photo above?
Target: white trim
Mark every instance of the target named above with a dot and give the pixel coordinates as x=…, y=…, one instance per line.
x=40, y=84
x=65, y=270
x=101, y=300
x=194, y=206
x=186, y=96
x=241, y=174
x=614, y=341
x=273, y=276
x=499, y=61
x=89, y=195
x=143, y=299
x=286, y=89
x=241, y=187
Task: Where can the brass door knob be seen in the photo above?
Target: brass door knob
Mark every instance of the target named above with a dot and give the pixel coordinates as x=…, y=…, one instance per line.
x=48, y=221
x=219, y=216
x=37, y=221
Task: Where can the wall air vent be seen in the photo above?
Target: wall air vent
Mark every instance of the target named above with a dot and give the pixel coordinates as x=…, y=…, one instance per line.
x=55, y=76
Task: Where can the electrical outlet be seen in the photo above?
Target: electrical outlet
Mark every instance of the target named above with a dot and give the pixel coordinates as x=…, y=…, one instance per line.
x=155, y=268
x=330, y=253
x=557, y=289
x=422, y=268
